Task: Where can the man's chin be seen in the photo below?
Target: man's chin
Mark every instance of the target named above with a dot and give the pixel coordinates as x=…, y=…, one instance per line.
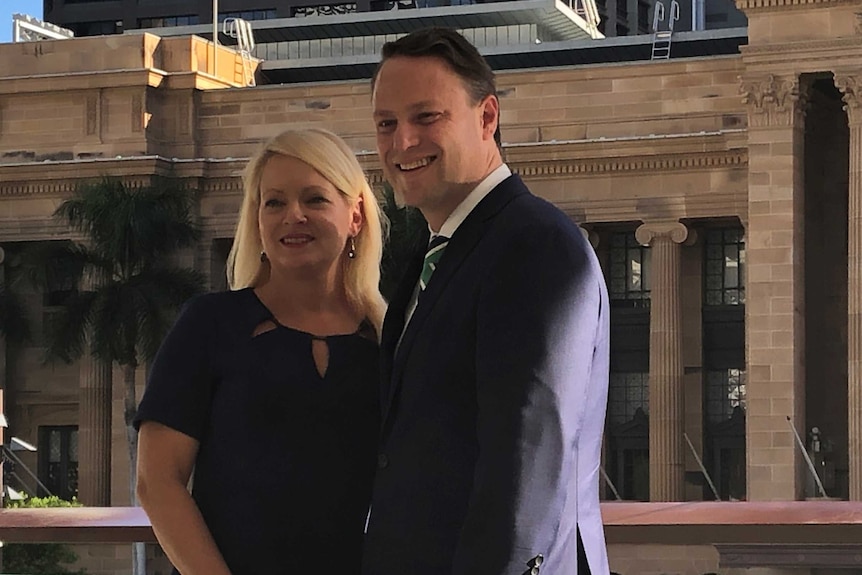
x=399, y=197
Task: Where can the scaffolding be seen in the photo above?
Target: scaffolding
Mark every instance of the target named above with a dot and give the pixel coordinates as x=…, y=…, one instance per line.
x=29, y=29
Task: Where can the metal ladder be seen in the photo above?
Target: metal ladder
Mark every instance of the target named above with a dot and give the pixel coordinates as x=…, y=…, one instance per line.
x=241, y=30
x=663, y=37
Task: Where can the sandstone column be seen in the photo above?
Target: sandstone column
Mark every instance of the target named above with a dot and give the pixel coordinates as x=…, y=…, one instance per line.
x=850, y=85
x=667, y=401
x=775, y=299
x=94, y=428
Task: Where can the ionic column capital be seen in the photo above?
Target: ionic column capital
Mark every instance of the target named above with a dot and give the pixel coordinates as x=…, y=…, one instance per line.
x=590, y=235
x=677, y=232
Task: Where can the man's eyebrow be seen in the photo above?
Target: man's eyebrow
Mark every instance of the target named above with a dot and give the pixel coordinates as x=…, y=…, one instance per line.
x=418, y=106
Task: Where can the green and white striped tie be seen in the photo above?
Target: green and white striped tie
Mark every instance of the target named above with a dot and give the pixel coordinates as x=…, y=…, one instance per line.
x=432, y=256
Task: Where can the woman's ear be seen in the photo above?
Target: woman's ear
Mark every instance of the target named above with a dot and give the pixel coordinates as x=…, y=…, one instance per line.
x=357, y=217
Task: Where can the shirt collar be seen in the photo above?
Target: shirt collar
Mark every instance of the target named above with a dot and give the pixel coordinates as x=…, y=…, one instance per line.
x=459, y=214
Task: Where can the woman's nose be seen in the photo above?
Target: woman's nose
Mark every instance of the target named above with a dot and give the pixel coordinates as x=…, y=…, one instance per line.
x=295, y=213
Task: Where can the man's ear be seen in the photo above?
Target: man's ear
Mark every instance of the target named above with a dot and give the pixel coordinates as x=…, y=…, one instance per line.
x=490, y=116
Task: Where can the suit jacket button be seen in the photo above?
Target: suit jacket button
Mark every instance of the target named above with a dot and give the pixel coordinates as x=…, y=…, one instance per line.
x=382, y=461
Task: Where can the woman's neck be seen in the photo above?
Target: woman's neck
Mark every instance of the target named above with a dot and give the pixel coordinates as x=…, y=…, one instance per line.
x=317, y=304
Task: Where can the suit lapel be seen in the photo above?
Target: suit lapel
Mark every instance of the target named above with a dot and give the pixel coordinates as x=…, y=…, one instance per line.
x=393, y=324
x=463, y=242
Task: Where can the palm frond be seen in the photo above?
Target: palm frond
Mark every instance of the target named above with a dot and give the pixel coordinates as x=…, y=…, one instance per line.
x=163, y=291
x=131, y=318
x=66, y=335
x=131, y=232
x=59, y=266
x=133, y=227
x=114, y=325
x=173, y=225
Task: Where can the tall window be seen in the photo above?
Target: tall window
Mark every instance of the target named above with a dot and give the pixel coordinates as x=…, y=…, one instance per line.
x=725, y=267
x=644, y=24
x=267, y=14
x=628, y=394
x=169, y=21
x=724, y=359
x=602, y=6
x=95, y=28
x=58, y=460
x=629, y=271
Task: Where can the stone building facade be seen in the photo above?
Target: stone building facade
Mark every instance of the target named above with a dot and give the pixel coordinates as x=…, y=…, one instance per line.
x=722, y=194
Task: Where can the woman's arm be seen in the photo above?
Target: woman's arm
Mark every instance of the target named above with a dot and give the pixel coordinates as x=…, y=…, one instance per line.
x=165, y=461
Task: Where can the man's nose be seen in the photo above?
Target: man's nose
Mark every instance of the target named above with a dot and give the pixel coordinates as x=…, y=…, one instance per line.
x=405, y=137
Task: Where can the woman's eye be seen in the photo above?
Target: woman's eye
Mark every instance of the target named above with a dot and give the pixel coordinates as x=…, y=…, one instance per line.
x=272, y=203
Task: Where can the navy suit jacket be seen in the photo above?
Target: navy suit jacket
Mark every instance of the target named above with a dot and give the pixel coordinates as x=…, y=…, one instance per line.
x=494, y=404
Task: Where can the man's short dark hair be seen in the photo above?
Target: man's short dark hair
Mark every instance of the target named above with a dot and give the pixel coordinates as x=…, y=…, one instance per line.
x=456, y=51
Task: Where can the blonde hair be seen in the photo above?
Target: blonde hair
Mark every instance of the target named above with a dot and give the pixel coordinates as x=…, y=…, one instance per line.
x=334, y=160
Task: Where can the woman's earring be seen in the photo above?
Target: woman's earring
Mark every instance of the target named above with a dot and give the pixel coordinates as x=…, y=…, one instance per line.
x=262, y=256
x=351, y=253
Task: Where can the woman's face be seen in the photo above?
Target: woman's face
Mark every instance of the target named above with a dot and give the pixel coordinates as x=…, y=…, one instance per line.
x=305, y=223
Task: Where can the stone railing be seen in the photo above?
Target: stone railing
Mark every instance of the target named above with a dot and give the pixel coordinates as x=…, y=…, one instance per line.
x=746, y=534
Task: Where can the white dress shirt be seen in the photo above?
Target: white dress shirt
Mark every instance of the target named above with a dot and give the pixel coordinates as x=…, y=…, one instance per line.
x=454, y=221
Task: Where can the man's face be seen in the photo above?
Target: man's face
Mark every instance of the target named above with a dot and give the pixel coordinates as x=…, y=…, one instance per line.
x=434, y=143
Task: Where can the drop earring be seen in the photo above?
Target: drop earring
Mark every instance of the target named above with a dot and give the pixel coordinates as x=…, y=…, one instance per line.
x=351, y=253
x=262, y=256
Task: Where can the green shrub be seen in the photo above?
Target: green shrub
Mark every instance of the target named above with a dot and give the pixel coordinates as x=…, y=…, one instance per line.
x=40, y=558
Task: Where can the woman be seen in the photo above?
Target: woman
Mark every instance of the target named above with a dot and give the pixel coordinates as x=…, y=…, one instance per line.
x=269, y=392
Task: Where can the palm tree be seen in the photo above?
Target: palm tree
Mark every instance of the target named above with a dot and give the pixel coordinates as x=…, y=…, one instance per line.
x=124, y=291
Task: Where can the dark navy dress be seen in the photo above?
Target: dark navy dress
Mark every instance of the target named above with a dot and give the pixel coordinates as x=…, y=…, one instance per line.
x=283, y=474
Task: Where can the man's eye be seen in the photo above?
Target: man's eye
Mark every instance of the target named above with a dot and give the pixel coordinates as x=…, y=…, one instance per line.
x=428, y=117
x=385, y=126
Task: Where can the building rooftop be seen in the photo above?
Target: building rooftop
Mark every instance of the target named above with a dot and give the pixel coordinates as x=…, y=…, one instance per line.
x=555, y=16
x=522, y=56
x=514, y=35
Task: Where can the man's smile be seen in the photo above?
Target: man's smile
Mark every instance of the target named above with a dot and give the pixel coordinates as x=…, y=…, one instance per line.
x=421, y=163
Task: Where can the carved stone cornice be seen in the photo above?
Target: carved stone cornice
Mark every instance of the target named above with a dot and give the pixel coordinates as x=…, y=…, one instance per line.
x=850, y=86
x=222, y=185
x=230, y=184
x=773, y=100
x=640, y=163
x=801, y=55
x=674, y=231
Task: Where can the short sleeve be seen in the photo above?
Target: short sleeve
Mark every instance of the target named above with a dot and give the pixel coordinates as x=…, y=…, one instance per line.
x=180, y=385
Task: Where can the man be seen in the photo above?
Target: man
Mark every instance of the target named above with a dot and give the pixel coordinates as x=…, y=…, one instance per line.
x=495, y=348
